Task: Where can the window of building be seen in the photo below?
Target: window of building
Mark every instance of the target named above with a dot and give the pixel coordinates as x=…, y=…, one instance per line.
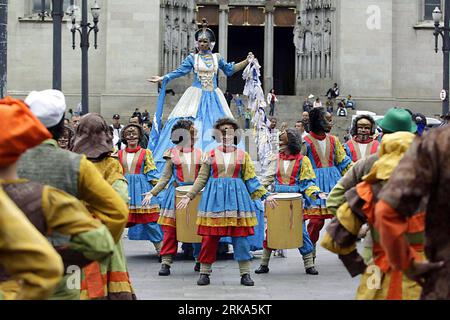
x=429, y=6
x=37, y=5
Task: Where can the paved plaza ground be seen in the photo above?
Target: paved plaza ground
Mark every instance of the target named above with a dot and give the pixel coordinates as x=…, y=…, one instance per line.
x=286, y=280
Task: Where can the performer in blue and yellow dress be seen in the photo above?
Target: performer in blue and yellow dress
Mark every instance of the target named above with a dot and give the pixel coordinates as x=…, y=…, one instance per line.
x=226, y=207
x=140, y=171
x=293, y=174
x=182, y=166
x=330, y=163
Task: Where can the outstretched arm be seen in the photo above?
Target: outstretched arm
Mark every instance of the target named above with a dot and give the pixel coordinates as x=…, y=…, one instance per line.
x=231, y=68
x=186, y=66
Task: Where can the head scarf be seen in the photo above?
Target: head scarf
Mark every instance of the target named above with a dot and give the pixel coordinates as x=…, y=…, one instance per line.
x=93, y=137
x=392, y=149
x=20, y=130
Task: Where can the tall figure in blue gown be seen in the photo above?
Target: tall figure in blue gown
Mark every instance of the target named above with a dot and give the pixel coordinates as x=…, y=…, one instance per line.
x=203, y=103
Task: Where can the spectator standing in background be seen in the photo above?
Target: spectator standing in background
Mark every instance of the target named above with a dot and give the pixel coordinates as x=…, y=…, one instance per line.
x=228, y=97
x=271, y=101
x=239, y=105
x=317, y=103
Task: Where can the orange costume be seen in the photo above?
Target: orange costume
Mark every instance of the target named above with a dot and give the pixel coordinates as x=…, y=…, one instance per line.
x=379, y=280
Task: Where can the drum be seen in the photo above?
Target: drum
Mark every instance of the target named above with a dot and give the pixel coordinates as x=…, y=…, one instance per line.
x=285, y=222
x=186, y=219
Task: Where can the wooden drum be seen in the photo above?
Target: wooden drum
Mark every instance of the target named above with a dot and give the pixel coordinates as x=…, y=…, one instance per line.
x=186, y=219
x=285, y=222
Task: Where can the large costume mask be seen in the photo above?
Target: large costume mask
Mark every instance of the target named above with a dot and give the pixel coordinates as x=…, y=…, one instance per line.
x=363, y=128
x=290, y=141
x=317, y=121
x=132, y=134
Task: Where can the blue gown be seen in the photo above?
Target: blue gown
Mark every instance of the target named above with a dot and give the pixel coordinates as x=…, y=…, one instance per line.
x=204, y=104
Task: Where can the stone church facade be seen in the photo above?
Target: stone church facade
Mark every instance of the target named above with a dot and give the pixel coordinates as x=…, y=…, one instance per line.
x=380, y=52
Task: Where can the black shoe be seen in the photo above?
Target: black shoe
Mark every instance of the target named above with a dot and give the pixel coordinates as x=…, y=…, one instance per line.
x=312, y=271
x=197, y=267
x=262, y=269
x=203, y=280
x=165, y=270
x=247, y=281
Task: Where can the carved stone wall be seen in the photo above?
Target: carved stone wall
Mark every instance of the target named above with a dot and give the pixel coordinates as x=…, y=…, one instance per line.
x=179, y=29
x=313, y=36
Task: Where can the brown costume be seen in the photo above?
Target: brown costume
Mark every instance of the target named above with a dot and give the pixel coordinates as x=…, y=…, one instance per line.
x=421, y=180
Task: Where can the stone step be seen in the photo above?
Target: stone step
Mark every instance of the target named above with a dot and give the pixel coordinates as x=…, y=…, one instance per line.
x=288, y=109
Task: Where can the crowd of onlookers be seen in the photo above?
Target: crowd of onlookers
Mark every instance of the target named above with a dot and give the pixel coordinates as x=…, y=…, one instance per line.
x=73, y=119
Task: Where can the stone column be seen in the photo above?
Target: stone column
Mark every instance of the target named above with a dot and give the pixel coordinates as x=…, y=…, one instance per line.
x=223, y=39
x=268, y=46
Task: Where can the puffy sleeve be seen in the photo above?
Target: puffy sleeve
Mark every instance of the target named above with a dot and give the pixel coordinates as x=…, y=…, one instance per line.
x=254, y=187
x=186, y=67
x=150, y=168
x=308, y=179
x=227, y=67
x=342, y=160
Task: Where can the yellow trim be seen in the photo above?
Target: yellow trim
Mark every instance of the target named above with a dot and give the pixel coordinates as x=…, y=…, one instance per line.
x=259, y=193
x=116, y=287
x=227, y=222
x=317, y=212
x=151, y=210
x=165, y=221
